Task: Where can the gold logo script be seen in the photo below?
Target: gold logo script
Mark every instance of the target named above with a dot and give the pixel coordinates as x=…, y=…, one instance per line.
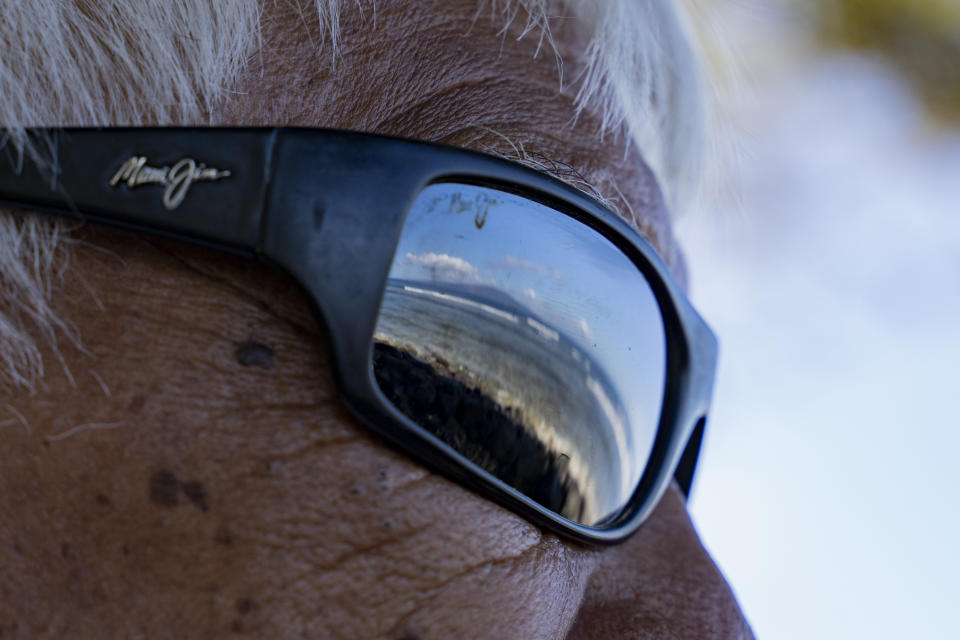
x=176, y=180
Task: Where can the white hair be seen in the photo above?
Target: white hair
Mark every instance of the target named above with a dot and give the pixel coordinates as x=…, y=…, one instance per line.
x=111, y=62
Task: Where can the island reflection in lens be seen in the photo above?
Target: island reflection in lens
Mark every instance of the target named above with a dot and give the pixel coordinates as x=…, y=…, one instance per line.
x=526, y=341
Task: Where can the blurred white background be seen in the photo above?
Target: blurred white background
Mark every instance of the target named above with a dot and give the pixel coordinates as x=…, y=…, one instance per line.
x=830, y=269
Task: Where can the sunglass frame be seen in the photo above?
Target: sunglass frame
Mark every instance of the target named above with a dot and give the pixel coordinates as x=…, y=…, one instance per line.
x=328, y=207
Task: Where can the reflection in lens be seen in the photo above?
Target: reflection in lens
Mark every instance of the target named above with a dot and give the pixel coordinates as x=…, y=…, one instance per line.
x=527, y=342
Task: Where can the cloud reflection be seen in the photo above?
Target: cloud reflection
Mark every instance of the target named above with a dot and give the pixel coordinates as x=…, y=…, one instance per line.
x=445, y=266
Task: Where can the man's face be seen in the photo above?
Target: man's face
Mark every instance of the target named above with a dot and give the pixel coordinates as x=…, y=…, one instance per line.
x=189, y=470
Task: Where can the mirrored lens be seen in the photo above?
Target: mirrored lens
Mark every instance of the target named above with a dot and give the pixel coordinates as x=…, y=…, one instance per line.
x=526, y=341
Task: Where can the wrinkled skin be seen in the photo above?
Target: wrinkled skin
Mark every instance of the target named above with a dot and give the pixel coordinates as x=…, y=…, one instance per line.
x=220, y=497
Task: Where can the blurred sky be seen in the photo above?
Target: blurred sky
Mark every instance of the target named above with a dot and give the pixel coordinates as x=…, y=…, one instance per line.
x=829, y=265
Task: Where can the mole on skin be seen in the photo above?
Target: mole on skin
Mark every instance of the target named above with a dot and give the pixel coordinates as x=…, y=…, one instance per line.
x=165, y=490
x=253, y=353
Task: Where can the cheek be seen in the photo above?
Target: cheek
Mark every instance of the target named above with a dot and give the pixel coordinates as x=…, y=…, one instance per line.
x=238, y=495
x=391, y=550
x=660, y=583
x=291, y=534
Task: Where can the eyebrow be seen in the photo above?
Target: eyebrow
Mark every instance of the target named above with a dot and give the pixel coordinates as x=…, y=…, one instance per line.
x=566, y=172
x=563, y=171
x=665, y=244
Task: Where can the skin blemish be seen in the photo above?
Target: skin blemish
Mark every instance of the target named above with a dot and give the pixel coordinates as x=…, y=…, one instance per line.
x=136, y=404
x=383, y=479
x=103, y=500
x=125, y=549
x=197, y=494
x=164, y=488
x=223, y=537
x=272, y=468
x=64, y=549
x=99, y=594
x=244, y=605
x=410, y=634
x=254, y=354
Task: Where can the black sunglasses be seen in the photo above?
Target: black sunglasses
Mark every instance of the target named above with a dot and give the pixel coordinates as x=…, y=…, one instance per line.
x=494, y=323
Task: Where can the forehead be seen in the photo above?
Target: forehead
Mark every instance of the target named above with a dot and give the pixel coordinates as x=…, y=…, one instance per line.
x=428, y=69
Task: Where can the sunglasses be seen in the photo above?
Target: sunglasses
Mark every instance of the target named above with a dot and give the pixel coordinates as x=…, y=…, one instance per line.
x=499, y=326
